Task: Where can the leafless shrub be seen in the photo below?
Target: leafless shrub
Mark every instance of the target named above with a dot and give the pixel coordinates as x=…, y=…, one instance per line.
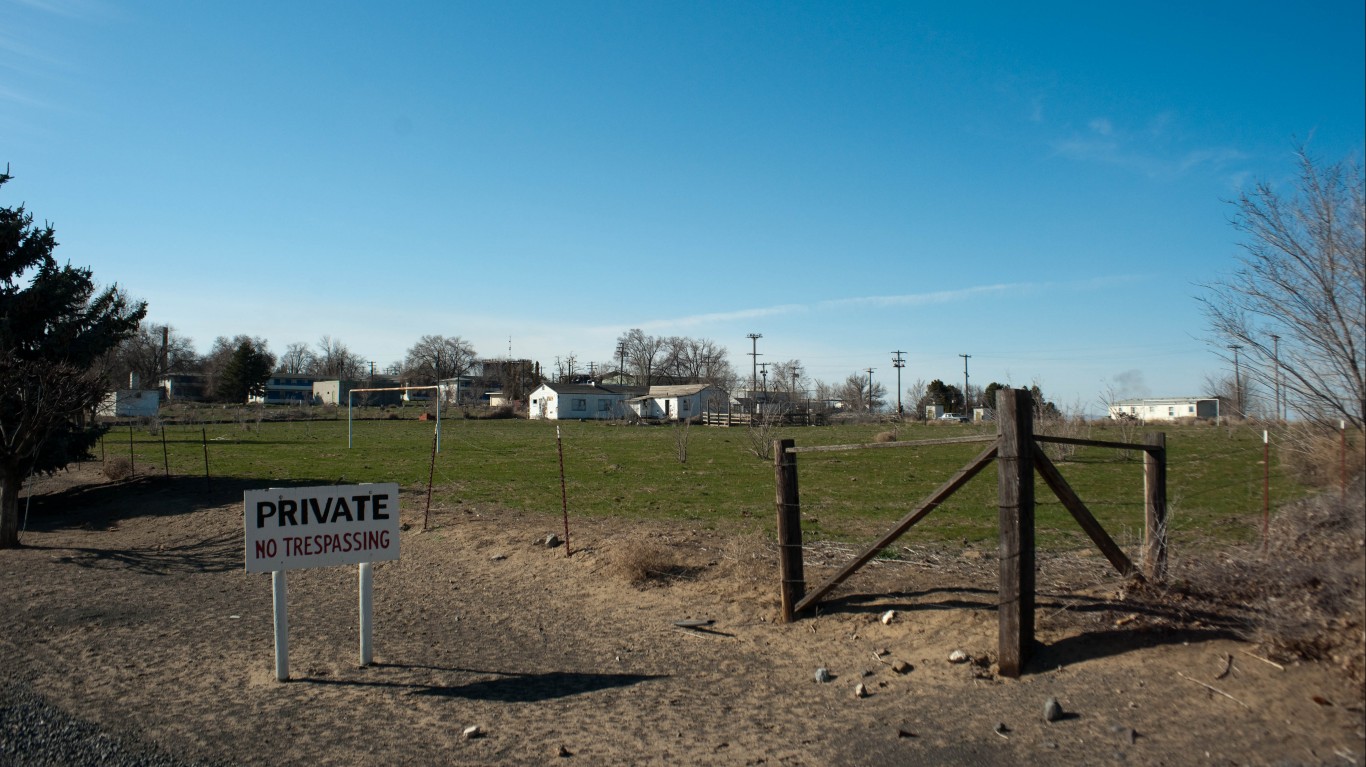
x=1071, y=425
x=643, y=561
x=1303, y=592
x=118, y=468
x=491, y=413
x=681, y=427
x=762, y=431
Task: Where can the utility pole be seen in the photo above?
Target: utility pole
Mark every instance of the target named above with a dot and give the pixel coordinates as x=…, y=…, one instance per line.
x=870, y=389
x=965, y=385
x=763, y=371
x=1237, y=379
x=621, y=367
x=898, y=362
x=754, y=358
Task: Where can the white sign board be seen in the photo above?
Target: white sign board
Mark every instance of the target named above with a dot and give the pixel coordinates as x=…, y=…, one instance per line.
x=297, y=527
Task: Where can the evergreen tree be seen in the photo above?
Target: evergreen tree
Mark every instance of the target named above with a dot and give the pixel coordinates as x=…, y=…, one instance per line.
x=245, y=374
x=54, y=329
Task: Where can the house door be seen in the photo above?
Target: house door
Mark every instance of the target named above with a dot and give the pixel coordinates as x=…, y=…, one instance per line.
x=668, y=405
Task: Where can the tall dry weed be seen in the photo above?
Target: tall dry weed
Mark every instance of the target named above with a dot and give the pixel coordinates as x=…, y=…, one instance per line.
x=1322, y=457
x=1303, y=591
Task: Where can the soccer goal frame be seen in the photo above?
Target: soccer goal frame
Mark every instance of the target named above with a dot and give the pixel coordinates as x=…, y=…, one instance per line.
x=350, y=394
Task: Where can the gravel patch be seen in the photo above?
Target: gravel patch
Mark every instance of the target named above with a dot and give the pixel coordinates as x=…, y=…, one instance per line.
x=34, y=733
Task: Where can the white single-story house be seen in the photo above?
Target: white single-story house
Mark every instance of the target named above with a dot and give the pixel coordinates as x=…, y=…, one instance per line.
x=1166, y=408
x=131, y=402
x=585, y=402
x=674, y=403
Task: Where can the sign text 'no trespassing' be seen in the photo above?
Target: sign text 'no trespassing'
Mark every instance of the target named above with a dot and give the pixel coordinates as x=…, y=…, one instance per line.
x=297, y=527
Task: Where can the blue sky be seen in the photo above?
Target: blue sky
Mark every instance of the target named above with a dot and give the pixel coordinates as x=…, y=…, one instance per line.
x=1041, y=186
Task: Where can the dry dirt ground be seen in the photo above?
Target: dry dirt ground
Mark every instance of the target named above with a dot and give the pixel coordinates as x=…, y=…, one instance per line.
x=128, y=607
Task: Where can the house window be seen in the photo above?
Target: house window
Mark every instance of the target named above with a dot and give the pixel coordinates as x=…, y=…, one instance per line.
x=683, y=405
x=580, y=404
x=1190, y=408
x=1171, y=411
x=604, y=406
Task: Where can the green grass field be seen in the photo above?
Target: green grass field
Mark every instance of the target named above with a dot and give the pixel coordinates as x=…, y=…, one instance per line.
x=1215, y=474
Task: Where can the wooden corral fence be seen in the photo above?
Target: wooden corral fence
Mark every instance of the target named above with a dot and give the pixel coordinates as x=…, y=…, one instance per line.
x=738, y=417
x=1015, y=451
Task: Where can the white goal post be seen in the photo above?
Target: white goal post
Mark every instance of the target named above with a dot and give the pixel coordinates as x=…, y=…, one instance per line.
x=396, y=388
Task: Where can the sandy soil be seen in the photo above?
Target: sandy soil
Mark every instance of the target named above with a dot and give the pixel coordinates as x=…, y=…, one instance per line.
x=128, y=606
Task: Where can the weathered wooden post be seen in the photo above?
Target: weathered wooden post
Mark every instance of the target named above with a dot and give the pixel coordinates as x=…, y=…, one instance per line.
x=1155, y=507
x=1015, y=474
x=789, y=527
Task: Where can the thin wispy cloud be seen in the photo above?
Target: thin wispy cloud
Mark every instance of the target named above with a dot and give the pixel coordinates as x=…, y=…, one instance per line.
x=937, y=297
x=1106, y=144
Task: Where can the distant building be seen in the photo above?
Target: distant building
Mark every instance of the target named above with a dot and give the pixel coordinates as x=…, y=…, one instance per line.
x=288, y=389
x=1165, y=408
x=587, y=402
x=131, y=403
x=183, y=387
x=332, y=392
x=677, y=402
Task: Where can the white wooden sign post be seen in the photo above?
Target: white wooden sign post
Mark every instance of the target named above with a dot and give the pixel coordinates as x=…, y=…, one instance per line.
x=297, y=527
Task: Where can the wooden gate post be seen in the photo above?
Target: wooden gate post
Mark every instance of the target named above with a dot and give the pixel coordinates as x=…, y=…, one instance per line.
x=789, y=527
x=1155, y=507
x=1015, y=483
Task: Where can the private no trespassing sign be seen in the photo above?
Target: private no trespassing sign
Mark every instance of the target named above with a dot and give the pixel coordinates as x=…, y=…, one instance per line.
x=298, y=527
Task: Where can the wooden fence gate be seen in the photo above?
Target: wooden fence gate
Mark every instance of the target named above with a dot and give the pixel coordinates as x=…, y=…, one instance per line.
x=1015, y=451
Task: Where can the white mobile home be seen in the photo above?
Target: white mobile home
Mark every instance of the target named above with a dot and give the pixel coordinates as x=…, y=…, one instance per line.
x=1165, y=408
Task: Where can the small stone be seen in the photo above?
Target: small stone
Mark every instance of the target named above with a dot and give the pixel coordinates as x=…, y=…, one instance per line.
x=1001, y=729
x=860, y=691
x=498, y=557
x=823, y=675
x=1126, y=734
x=888, y=617
x=551, y=541
x=958, y=656
x=472, y=732
x=881, y=651
x=563, y=751
x=902, y=667
x=1052, y=710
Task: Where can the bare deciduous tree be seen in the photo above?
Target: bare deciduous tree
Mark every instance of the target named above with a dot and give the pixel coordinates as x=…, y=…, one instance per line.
x=150, y=353
x=1296, y=304
x=333, y=360
x=642, y=353
x=297, y=358
x=857, y=395
x=437, y=358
